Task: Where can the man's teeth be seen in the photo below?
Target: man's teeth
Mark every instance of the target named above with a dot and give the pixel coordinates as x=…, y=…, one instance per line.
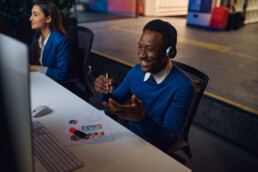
x=144, y=62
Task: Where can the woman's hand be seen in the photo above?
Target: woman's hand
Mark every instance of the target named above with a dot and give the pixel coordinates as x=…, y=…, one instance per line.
x=34, y=68
x=103, y=85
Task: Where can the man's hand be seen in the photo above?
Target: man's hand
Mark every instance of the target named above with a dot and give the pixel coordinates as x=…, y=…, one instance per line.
x=132, y=112
x=34, y=68
x=103, y=85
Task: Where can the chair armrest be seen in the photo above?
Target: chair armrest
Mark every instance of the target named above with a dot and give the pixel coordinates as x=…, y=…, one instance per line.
x=179, y=144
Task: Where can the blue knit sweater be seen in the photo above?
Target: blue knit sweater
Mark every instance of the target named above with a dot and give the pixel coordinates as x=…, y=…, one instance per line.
x=166, y=104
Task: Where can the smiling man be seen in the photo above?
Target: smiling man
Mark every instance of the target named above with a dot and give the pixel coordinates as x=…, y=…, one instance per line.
x=161, y=93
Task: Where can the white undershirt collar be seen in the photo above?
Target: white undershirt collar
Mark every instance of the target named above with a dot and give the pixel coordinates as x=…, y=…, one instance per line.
x=161, y=75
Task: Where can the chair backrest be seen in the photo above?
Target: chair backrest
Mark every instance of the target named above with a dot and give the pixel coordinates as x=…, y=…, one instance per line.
x=201, y=80
x=81, y=41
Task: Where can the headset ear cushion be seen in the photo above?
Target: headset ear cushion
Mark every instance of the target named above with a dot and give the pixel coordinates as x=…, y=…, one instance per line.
x=168, y=52
x=173, y=53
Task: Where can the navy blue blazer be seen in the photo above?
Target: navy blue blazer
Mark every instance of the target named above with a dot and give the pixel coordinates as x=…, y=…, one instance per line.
x=57, y=56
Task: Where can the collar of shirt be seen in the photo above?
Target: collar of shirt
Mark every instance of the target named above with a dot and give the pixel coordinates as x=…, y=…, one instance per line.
x=45, y=42
x=161, y=75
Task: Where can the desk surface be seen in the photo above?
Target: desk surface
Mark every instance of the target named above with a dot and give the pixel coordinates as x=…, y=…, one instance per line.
x=127, y=152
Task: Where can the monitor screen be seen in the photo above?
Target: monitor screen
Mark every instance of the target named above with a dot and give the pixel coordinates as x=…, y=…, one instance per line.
x=16, y=139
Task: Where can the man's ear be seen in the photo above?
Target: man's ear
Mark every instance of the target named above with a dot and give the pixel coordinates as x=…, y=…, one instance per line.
x=48, y=19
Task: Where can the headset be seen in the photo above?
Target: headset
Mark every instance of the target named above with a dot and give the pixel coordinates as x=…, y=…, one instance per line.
x=171, y=50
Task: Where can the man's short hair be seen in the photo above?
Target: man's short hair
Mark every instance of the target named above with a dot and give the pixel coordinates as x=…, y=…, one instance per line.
x=163, y=28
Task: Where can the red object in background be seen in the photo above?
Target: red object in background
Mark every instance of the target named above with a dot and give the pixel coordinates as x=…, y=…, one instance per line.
x=140, y=7
x=219, y=18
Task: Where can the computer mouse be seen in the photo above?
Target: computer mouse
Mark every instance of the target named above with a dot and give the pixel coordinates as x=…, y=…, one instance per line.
x=40, y=111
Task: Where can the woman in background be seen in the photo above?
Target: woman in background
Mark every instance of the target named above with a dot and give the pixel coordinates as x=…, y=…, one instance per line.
x=50, y=51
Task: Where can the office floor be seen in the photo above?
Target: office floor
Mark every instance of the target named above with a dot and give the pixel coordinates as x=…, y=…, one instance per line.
x=229, y=58
x=215, y=154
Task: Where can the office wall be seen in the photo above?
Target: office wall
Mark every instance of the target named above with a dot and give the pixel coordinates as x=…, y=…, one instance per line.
x=165, y=7
x=126, y=7
x=98, y=5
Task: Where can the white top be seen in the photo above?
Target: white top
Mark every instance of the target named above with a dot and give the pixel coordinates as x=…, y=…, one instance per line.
x=42, y=46
x=127, y=152
x=161, y=75
x=42, y=69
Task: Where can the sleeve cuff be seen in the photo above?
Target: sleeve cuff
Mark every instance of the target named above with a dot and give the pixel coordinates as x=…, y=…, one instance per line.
x=105, y=97
x=43, y=69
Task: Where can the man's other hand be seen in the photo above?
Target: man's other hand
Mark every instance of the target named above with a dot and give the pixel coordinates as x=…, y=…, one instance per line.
x=132, y=112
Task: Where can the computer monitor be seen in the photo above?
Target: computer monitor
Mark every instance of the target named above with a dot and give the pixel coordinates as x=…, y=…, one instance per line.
x=15, y=119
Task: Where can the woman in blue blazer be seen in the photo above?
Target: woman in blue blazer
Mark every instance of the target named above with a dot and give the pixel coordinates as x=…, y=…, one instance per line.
x=50, y=49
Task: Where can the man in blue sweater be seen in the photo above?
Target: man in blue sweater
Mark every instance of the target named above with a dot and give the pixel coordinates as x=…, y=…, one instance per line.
x=161, y=93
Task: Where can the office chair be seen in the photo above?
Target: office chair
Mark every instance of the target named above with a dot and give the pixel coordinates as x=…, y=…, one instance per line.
x=81, y=41
x=201, y=80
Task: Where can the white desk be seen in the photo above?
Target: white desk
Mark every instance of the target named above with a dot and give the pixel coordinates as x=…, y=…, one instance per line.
x=127, y=152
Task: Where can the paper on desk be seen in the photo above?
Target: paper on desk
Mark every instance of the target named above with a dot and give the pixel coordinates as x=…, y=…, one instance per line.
x=93, y=123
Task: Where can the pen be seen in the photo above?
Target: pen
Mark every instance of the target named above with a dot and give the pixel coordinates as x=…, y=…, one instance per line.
x=107, y=84
x=79, y=133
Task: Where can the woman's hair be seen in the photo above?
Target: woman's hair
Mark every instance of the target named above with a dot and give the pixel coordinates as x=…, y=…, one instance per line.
x=49, y=9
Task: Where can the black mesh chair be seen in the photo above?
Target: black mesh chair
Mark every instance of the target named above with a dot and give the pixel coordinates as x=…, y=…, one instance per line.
x=201, y=80
x=81, y=41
